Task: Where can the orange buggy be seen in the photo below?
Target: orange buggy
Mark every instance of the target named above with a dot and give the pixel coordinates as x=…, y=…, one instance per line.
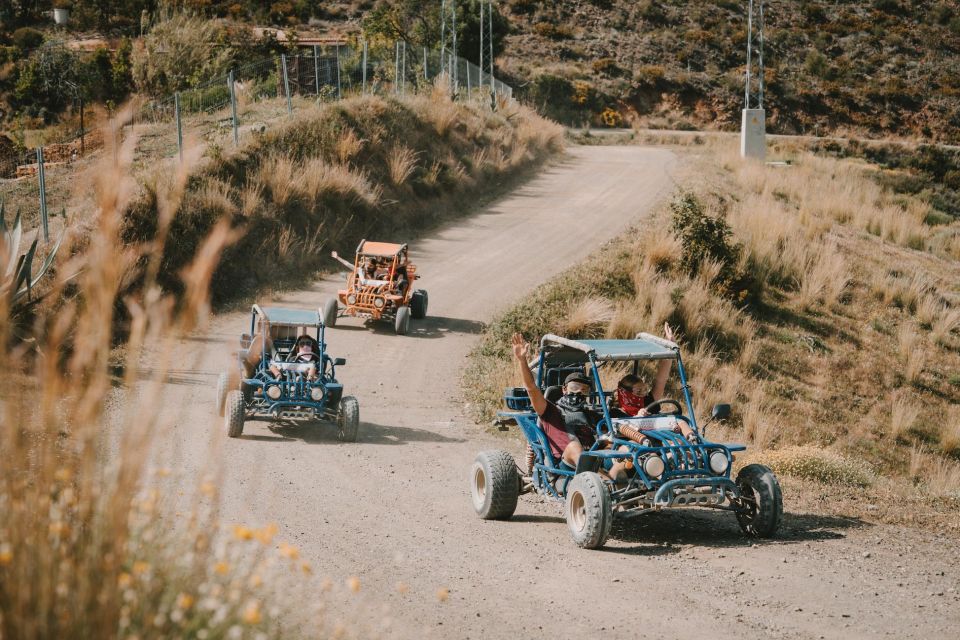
x=379, y=286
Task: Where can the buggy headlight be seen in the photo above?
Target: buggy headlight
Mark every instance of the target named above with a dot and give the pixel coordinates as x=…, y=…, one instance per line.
x=316, y=394
x=379, y=302
x=273, y=392
x=352, y=298
x=718, y=462
x=653, y=466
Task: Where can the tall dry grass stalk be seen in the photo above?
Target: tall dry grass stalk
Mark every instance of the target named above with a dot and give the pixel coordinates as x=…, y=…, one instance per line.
x=588, y=316
x=912, y=352
x=903, y=415
x=950, y=431
x=86, y=549
x=401, y=163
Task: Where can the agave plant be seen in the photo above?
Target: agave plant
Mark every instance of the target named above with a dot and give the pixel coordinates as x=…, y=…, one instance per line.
x=17, y=276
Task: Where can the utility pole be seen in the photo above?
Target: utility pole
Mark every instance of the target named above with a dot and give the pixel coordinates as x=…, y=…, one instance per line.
x=753, y=143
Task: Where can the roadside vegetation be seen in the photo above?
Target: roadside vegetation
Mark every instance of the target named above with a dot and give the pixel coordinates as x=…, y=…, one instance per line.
x=336, y=173
x=822, y=304
x=97, y=540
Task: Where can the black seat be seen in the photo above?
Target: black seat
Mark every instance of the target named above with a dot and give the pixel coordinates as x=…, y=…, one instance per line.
x=553, y=393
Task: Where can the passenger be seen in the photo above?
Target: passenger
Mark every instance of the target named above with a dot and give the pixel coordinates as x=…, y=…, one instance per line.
x=568, y=424
x=348, y=265
x=632, y=395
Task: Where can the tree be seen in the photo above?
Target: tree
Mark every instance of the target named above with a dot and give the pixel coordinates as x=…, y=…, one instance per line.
x=417, y=22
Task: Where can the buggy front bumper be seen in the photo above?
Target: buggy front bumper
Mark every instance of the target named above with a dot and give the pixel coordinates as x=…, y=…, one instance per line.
x=690, y=492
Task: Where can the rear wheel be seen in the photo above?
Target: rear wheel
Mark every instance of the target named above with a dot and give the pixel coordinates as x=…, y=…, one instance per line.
x=234, y=413
x=418, y=304
x=762, y=499
x=330, y=313
x=589, y=512
x=401, y=324
x=223, y=385
x=494, y=485
x=348, y=419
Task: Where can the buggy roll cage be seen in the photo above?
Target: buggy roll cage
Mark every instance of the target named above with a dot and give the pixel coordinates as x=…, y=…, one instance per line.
x=555, y=350
x=297, y=318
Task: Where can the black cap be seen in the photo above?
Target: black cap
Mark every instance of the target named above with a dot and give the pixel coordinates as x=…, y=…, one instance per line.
x=578, y=377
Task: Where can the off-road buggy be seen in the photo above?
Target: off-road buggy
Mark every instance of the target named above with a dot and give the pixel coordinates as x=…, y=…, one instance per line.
x=269, y=381
x=667, y=470
x=380, y=286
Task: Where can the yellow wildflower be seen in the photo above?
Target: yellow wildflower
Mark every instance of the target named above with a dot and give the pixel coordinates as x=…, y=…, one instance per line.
x=221, y=568
x=252, y=615
x=306, y=568
x=140, y=568
x=124, y=580
x=241, y=532
x=208, y=489
x=442, y=594
x=256, y=580
x=353, y=582
x=63, y=474
x=289, y=551
x=266, y=534
x=6, y=554
x=184, y=601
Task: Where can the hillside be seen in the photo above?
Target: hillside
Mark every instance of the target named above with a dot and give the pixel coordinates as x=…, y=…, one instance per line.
x=880, y=67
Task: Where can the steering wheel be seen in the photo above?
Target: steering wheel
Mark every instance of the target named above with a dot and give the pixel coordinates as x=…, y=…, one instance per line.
x=655, y=408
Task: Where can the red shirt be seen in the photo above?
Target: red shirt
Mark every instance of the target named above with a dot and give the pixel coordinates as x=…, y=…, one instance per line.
x=558, y=434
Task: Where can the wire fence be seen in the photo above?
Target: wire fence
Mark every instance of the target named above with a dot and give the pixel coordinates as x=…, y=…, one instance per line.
x=45, y=186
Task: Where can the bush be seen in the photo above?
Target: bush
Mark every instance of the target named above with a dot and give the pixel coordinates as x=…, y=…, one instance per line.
x=819, y=465
x=179, y=53
x=704, y=238
x=26, y=38
x=606, y=66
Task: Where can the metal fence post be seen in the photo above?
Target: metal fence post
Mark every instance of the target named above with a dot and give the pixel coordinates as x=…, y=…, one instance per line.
x=339, y=93
x=364, y=66
x=41, y=178
x=176, y=114
x=396, y=67
x=286, y=83
x=425, y=74
x=233, y=108
x=316, y=68
x=403, y=69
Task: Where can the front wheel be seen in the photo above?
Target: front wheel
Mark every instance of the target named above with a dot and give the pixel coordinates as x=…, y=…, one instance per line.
x=234, y=413
x=330, y=310
x=348, y=419
x=763, y=501
x=494, y=485
x=418, y=304
x=401, y=324
x=589, y=511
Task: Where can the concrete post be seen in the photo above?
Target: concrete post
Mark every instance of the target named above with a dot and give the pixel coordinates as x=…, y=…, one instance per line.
x=753, y=134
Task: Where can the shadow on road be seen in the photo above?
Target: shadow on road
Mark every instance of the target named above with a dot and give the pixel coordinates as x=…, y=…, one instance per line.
x=321, y=432
x=429, y=327
x=720, y=529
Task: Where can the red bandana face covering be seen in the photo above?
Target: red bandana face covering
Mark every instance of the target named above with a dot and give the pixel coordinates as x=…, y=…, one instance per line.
x=629, y=402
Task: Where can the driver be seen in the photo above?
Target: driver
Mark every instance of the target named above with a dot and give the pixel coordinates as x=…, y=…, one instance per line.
x=568, y=424
x=306, y=353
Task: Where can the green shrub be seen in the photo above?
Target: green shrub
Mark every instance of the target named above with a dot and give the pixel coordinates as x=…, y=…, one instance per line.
x=704, y=237
x=26, y=38
x=819, y=465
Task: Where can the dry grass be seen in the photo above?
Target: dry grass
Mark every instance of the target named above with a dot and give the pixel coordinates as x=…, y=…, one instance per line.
x=401, y=163
x=913, y=354
x=87, y=548
x=944, y=324
x=903, y=415
x=348, y=145
x=588, y=316
x=950, y=431
x=317, y=179
x=814, y=463
x=823, y=279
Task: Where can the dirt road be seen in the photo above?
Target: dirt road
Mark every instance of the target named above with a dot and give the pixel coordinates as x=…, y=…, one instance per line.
x=394, y=507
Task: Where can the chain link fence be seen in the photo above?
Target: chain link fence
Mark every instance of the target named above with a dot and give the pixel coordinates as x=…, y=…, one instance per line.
x=47, y=185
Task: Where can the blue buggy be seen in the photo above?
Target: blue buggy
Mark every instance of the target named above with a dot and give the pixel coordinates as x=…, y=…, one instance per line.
x=665, y=470
x=271, y=380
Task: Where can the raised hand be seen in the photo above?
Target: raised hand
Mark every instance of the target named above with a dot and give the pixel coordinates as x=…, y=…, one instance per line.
x=668, y=332
x=521, y=348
